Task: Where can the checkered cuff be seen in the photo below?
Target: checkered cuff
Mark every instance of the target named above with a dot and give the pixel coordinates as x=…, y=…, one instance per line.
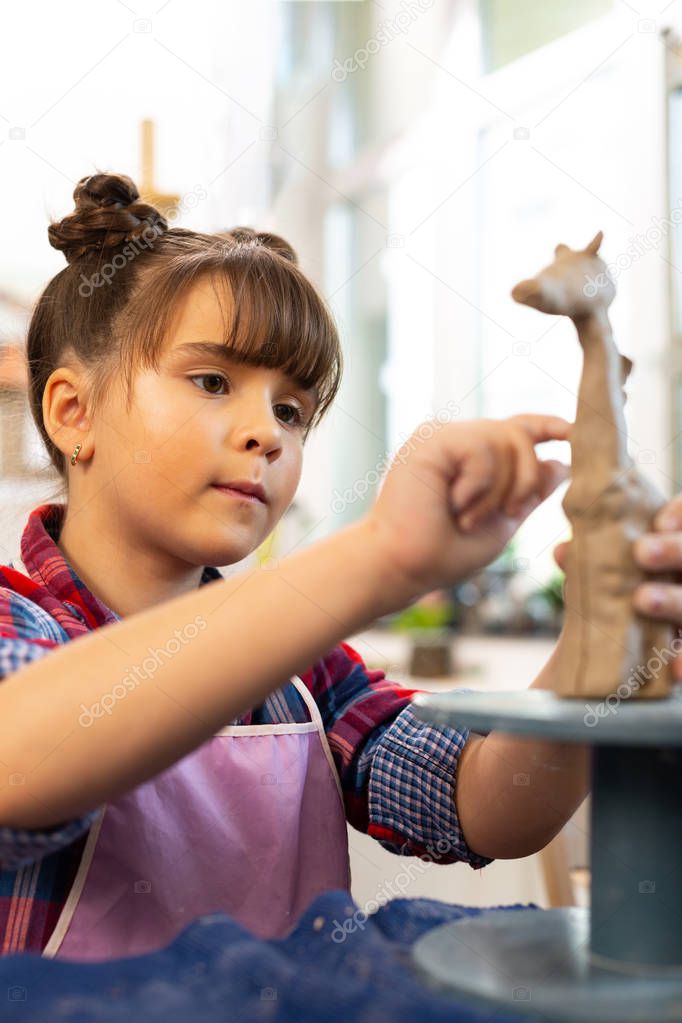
x=22, y=846
x=411, y=791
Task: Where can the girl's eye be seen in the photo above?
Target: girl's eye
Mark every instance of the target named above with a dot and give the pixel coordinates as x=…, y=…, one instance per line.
x=209, y=376
x=297, y=418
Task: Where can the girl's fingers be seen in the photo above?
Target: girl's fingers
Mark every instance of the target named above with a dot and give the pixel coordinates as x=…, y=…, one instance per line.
x=526, y=481
x=552, y=474
x=509, y=478
x=493, y=499
x=520, y=484
x=542, y=428
x=549, y=474
x=476, y=477
x=536, y=478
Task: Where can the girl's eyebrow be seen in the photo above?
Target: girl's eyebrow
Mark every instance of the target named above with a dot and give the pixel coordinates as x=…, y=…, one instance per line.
x=214, y=350
x=210, y=349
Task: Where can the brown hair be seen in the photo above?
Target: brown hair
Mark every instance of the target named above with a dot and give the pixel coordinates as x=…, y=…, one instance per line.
x=115, y=302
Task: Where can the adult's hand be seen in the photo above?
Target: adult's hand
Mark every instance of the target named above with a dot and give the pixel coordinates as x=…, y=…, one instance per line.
x=659, y=551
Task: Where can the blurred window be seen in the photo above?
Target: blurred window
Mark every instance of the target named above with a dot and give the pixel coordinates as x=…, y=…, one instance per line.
x=512, y=28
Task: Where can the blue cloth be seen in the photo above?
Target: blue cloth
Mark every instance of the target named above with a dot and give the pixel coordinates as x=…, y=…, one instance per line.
x=215, y=970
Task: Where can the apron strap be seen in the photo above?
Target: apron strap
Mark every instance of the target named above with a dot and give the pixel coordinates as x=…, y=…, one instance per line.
x=309, y=700
x=316, y=717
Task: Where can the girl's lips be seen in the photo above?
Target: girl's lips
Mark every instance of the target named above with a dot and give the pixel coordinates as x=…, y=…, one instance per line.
x=234, y=492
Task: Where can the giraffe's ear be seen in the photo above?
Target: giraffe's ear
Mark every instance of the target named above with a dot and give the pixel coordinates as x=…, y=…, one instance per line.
x=593, y=247
x=560, y=249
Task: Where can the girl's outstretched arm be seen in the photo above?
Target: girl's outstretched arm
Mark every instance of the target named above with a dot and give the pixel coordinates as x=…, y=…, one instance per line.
x=449, y=504
x=253, y=631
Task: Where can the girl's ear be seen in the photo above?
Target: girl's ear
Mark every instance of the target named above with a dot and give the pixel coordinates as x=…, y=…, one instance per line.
x=65, y=412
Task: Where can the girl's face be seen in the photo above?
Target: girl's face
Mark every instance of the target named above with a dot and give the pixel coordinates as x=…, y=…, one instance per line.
x=201, y=420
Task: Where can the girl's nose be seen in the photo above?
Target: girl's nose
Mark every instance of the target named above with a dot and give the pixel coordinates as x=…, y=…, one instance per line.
x=257, y=427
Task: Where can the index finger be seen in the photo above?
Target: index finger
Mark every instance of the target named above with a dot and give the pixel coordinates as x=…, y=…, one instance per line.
x=541, y=428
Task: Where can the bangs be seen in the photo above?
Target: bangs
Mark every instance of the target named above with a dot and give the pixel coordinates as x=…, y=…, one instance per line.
x=272, y=316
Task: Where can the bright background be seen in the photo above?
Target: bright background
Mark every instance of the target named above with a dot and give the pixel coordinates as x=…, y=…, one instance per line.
x=420, y=156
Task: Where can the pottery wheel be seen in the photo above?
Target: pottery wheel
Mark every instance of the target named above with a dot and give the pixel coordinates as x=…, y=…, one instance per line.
x=620, y=960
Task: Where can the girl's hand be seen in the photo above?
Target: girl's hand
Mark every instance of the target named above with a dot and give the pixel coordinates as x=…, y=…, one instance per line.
x=450, y=503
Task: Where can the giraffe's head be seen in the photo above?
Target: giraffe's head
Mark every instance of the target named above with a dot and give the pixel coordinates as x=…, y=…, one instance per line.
x=576, y=284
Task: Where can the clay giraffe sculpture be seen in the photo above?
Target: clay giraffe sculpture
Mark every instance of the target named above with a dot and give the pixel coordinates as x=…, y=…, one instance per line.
x=609, y=648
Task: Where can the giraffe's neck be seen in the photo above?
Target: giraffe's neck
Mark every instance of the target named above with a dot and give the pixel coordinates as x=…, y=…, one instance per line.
x=599, y=437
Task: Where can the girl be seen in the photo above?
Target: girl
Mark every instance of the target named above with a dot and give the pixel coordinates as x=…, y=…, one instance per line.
x=162, y=767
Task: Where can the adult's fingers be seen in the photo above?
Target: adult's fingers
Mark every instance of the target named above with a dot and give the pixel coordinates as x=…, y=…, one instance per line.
x=659, y=551
x=561, y=554
x=661, y=601
x=677, y=668
x=669, y=517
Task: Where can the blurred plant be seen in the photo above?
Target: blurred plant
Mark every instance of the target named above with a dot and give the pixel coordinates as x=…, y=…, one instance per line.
x=553, y=591
x=505, y=561
x=421, y=617
x=488, y=602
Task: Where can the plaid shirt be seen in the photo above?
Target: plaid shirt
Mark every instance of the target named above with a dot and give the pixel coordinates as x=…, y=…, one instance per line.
x=397, y=773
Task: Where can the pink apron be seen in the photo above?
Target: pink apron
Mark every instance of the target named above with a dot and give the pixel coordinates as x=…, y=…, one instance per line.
x=251, y=823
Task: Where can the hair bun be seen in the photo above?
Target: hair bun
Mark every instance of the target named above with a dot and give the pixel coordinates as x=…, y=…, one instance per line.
x=108, y=213
x=246, y=235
